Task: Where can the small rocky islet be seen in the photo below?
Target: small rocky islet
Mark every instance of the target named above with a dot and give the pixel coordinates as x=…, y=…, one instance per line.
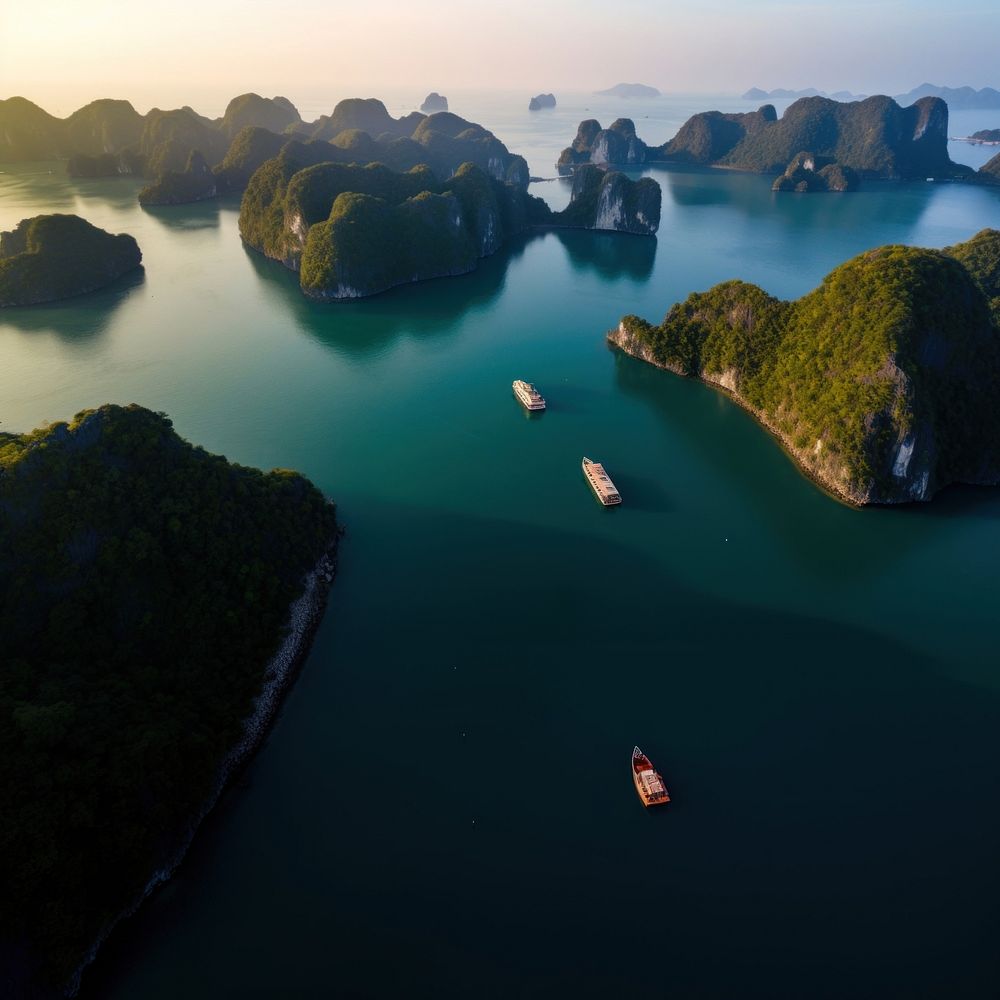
x=542, y=101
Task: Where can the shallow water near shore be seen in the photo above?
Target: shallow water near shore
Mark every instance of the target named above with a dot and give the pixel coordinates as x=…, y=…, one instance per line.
x=444, y=808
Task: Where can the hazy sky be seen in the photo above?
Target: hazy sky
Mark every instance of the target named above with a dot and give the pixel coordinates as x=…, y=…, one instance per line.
x=63, y=53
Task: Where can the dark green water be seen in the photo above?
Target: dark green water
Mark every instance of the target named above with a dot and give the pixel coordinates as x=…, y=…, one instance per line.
x=444, y=807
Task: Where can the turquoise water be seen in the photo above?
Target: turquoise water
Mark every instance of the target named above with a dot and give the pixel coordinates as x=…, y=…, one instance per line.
x=443, y=808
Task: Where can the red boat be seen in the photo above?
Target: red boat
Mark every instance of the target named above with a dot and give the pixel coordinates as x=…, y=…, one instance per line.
x=648, y=782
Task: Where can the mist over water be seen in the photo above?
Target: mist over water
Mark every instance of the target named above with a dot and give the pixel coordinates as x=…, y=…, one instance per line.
x=443, y=808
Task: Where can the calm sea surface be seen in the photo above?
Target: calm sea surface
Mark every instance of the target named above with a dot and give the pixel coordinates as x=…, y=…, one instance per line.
x=444, y=808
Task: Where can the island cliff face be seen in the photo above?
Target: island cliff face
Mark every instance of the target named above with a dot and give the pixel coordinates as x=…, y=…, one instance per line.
x=875, y=138
x=52, y=257
x=145, y=590
x=611, y=202
x=616, y=145
x=879, y=405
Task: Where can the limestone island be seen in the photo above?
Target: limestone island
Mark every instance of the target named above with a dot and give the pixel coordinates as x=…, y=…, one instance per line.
x=51, y=257
x=353, y=230
x=155, y=604
x=881, y=383
x=874, y=138
x=540, y=101
x=628, y=90
x=434, y=102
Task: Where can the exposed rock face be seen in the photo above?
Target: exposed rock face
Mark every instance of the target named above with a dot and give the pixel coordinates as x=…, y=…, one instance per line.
x=611, y=201
x=808, y=172
x=434, y=102
x=878, y=407
x=541, y=101
x=616, y=145
x=52, y=257
x=628, y=90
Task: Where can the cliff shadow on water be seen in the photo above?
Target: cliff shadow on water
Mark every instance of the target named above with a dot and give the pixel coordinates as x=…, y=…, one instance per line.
x=828, y=539
x=611, y=256
x=77, y=320
x=459, y=717
x=433, y=307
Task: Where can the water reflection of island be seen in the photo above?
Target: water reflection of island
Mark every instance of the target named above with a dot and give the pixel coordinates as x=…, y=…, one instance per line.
x=77, y=320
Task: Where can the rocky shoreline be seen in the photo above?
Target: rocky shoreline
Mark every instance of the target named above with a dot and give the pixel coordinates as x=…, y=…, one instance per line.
x=304, y=617
x=619, y=339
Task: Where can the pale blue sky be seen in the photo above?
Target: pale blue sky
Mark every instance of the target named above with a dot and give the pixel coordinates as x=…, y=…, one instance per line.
x=62, y=53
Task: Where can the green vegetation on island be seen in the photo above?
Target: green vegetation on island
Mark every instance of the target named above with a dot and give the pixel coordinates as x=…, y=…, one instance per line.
x=882, y=382
x=145, y=589
x=52, y=257
x=354, y=230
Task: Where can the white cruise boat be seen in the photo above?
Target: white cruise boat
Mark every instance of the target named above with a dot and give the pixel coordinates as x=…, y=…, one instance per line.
x=600, y=483
x=527, y=395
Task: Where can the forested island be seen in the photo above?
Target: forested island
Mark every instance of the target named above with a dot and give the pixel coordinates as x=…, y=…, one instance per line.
x=353, y=231
x=881, y=383
x=51, y=257
x=154, y=603
x=874, y=138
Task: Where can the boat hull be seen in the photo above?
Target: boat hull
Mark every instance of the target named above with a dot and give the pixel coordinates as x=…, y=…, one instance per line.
x=648, y=782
